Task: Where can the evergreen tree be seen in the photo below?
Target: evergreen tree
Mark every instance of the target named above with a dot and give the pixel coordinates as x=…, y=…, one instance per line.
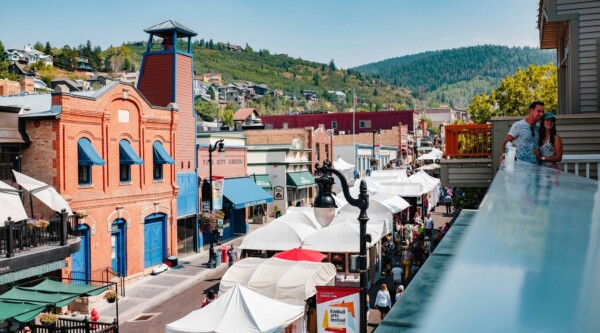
x=48, y=49
x=316, y=79
x=248, y=49
x=211, y=44
x=332, y=66
x=375, y=92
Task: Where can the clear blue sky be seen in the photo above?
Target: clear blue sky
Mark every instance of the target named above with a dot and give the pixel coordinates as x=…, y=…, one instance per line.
x=352, y=32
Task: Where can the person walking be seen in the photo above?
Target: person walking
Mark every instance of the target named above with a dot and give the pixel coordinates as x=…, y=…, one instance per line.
x=550, y=147
x=383, y=301
x=232, y=255
x=525, y=134
x=210, y=297
x=448, y=203
x=428, y=225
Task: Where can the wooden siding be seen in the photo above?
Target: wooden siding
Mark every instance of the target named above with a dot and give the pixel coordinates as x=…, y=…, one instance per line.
x=473, y=172
x=588, y=13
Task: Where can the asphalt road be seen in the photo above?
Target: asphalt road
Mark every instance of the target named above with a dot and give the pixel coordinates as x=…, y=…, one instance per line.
x=174, y=308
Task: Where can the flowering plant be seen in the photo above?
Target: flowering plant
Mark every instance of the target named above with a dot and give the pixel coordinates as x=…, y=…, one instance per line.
x=111, y=295
x=48, y=318
x=38, y=221
x=208, y=222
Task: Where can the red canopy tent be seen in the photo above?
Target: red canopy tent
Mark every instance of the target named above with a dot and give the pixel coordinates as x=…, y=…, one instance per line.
x=301, y=255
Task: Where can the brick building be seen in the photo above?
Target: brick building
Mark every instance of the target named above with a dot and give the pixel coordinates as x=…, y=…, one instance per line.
x=108, y=153
x=365, y=122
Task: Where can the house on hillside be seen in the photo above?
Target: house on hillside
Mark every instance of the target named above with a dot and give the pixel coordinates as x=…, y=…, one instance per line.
x=246, y=119
x=234, y=48
x=28, y=55
x=572, y=29
x=310, y=95
x=338, y=95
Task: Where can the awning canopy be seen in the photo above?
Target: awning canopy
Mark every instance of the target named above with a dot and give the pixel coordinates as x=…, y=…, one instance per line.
x=243, y=192
x=44, y=192
x=285, y=233
x=21, y=311
x=87, y=155
x=263, y=181
x=127, y=155
x=24, y=303
x=300, y=180
x=10, y=204
x=161, y=156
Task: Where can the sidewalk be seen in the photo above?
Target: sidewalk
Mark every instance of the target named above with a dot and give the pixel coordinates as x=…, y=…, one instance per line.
x=151, y=290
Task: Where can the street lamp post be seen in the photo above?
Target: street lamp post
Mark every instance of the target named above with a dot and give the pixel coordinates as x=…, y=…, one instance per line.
x=378, y=131
x=211, y=148
x=325, y=211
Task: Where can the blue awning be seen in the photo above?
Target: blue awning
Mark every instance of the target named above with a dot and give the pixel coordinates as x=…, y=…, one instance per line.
x=243, y=192
x=127, y=154
x=160, y=154
x=86, y=154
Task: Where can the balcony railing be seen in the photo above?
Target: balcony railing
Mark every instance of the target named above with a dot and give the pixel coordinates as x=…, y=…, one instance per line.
x=16, y=237
x=468, y=141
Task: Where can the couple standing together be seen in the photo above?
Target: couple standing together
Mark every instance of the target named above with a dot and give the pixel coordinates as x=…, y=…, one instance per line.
x=535, y=138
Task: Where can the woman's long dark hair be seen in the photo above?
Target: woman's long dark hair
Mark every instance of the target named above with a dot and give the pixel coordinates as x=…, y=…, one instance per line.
x=542, y=134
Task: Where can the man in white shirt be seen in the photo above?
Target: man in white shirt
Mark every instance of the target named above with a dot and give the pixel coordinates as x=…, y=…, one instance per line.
x=428, y=226
x=397, y=275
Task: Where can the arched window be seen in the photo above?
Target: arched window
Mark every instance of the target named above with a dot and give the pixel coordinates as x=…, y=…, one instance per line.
x=160, y=157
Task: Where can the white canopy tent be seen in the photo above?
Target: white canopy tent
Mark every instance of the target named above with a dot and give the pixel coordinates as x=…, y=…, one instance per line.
x=10, y=204
x=285, y=280
x=239, y=310
x=347, y=170
x=432, y=184
x=431, y=166
x=285, y=233
x=403, y=189
x=429, y=156
x=342, y=237
x=44, y=192
x=388, y=175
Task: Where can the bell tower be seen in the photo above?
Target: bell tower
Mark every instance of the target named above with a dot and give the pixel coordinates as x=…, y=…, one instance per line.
x=166, y=76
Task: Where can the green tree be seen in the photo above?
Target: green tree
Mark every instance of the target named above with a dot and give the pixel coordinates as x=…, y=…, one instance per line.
x=316, y=79
x=2, y=49
x=375, y=93
x=332, y=66
x=38, y=46
x=248, y=49
x=512, y=98
x=208, y=111
x=211, y=92
x=48, y=49
x=227, y=115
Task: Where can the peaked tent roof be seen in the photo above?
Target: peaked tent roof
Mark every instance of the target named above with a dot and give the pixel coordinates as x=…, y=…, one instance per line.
x=340, y=164
x=239, y=310
x=170, y=25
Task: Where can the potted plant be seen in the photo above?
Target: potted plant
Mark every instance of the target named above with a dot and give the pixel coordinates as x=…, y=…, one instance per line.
x=277, y=211
x=111, y=296
x=48, y=319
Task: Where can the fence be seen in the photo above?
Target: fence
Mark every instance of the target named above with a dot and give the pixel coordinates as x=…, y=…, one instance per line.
x=468, y=141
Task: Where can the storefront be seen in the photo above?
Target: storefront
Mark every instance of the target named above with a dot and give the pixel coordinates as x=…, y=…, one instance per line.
x=241, y=195
x=298, y=187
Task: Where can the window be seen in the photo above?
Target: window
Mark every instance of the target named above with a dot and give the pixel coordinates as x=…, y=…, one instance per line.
x=334, y=124
x=327, y=152
x=285, y=125
x=318, y=152
x=160, y=157
x=86, y=158
x=127, y=157
x=364, y=124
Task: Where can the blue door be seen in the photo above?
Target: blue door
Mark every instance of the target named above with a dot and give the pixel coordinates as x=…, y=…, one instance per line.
x=80, y=260
x=187, y=199
x=154, y=239
x=118, y=253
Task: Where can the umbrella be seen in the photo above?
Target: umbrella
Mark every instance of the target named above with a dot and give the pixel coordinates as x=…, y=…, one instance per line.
x=46, y=193
x=301, y=255
x=10, y=204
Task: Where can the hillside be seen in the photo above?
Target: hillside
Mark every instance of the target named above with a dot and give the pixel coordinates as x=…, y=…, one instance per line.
x=279, y=71
x=455, y=76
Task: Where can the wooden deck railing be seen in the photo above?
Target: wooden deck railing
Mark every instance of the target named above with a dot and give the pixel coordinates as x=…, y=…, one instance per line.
x=468, y=141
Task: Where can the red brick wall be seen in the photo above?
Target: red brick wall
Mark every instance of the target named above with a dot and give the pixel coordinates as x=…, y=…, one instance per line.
x=185, y=137
x=156, y=82
x=52, y=157
x=321, y=138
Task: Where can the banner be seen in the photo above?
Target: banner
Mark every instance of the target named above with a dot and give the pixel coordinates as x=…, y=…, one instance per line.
x=218, y=187
x=338, y=309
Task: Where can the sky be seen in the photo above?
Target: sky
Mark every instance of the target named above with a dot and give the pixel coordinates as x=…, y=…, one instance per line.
x=351, y=32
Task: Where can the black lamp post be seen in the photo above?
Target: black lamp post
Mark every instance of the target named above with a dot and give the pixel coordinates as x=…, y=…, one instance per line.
x=211, y=251
x=325, y=211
